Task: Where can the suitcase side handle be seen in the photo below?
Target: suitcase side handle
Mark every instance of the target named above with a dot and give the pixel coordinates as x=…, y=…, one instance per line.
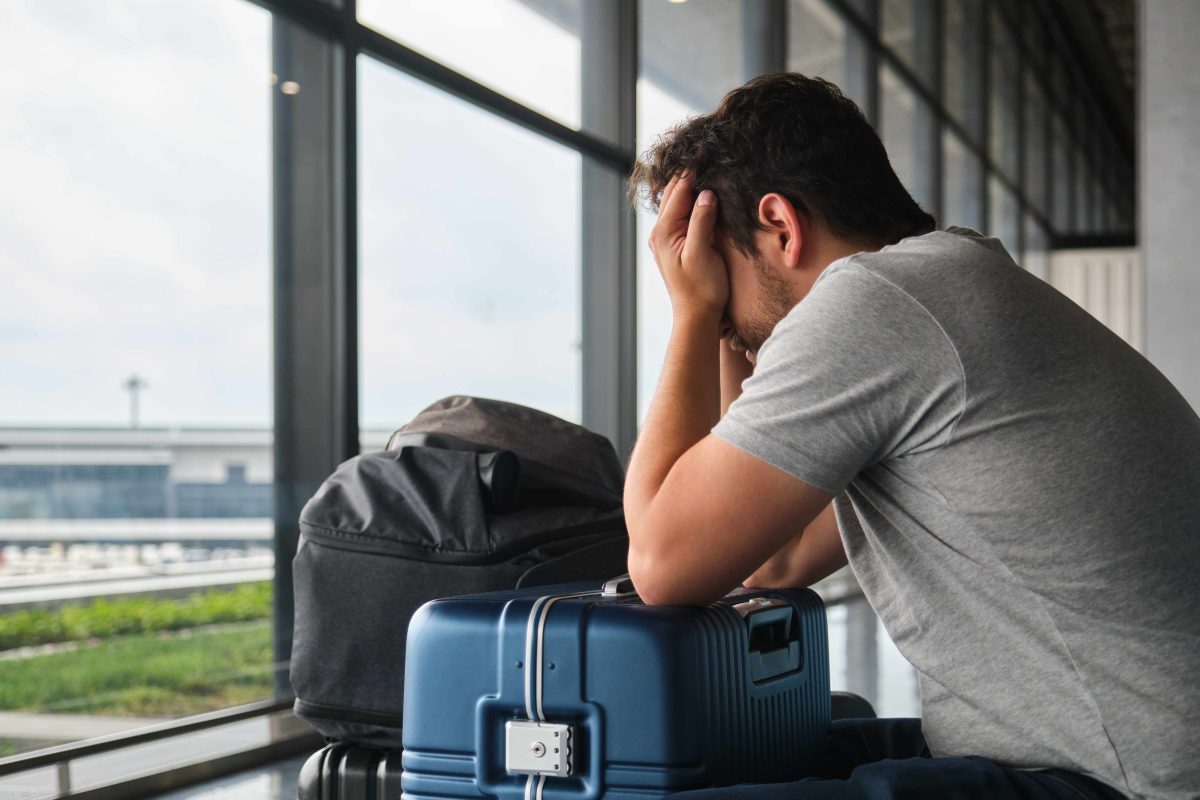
x=774, y=642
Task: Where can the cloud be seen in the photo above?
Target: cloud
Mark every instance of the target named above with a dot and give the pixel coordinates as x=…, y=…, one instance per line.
x=135, y=216
x=135, y=212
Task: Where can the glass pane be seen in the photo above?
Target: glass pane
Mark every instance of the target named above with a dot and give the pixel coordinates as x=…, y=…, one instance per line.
x=135, y=447
x=864, y=660
x=1004, y=217
x=1081, y=172
x=960, y=184
x=1036, y=146
x=1061, y=189
x=896, y=29
x=1036, y=258
x=469, y=255
x=1036, y=47
x=1003, y=98
x=954, y=57
x=816, y=40
x=526, y=49
x=897, y=120
x=691, y=51
x=1060, y=84
x=1095, y=203
x=691, y=56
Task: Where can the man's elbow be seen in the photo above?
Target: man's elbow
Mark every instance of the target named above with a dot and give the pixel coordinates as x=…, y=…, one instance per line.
x=648, y=578
x=644, y=563
x=659, y=581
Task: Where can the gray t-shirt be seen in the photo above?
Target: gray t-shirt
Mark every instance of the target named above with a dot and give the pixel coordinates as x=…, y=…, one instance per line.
x=1018, y=492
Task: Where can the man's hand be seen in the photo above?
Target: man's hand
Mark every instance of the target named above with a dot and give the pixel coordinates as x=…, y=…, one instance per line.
x=702, y=514
x=696, y=277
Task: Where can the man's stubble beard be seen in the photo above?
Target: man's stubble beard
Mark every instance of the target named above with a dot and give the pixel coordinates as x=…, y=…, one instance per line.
x=774, y=302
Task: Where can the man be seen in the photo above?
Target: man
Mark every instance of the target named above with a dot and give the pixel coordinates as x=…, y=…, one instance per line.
x=1017, y=490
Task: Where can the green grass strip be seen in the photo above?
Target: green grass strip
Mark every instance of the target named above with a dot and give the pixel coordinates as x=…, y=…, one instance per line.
x=157, y=674
x=104, y=619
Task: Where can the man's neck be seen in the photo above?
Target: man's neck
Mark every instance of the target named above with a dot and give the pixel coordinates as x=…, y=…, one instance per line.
x=821, y=250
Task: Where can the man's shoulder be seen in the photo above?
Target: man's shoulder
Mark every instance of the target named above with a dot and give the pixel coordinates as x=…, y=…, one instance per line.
x=925, y=256
x=953, y=274
x=900, y=275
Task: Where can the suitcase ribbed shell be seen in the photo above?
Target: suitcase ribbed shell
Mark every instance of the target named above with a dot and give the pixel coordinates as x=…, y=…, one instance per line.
x=660, y=699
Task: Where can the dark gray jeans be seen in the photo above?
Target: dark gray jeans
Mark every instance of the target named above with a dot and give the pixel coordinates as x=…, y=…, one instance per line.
x=886, y=759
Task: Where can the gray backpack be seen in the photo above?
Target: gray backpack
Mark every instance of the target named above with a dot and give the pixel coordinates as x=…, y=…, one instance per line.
x=473, y=495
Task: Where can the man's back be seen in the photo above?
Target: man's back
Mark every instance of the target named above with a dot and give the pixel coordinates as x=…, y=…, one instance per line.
x=1019, y=497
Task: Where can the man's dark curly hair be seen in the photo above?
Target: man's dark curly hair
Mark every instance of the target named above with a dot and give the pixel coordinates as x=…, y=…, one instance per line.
x=800, y=137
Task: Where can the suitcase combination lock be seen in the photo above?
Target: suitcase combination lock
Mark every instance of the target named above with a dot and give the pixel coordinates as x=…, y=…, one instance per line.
x=538, y=748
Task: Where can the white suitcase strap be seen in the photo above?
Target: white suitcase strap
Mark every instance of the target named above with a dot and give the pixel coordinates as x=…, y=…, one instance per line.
x=536, y=747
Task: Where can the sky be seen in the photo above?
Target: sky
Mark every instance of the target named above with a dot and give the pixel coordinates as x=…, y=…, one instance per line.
x=135, y=215
x=134, y=211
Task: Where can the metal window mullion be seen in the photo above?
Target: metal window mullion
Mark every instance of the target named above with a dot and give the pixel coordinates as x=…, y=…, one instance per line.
x=608, y=38
x=981, y=33
x=345, y=146
x=927, y=128
x=975, y=111
x=862, y=59
x=1068, y=186
x=1079, y=123
x=1047, y=145
x=337, y=24
x=764, y=37
x=314, y=404
x=1023, y=204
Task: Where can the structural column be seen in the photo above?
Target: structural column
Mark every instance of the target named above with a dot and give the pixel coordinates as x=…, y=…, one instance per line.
x=315, y=378
x=1169, y=137
x=764, y=44
x=610, y=66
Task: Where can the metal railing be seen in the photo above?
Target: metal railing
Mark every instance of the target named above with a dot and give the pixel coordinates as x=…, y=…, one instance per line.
x=61, y=756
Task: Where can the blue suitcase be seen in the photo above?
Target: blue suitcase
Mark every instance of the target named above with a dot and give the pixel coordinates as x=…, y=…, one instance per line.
x=583, y=692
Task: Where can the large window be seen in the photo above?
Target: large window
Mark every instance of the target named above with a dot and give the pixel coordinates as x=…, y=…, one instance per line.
x=526, y=49
x=897, y=127
x=135, y=409
x=816, y=40
x=365, y=205
x=1003, y=96
x=961, y=189
x=690, y=59
x=470, y=252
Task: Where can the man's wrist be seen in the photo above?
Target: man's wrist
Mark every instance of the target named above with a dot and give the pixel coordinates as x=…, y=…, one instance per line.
x=697, y=321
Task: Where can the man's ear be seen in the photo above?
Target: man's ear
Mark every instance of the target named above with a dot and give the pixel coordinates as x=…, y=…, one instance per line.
x=784, y=225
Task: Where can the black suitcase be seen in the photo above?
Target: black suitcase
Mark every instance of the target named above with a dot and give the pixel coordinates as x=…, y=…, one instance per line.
x=343, y=771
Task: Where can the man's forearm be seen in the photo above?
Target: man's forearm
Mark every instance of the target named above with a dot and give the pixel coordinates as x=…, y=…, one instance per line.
x=685, y=407
x=814, y=554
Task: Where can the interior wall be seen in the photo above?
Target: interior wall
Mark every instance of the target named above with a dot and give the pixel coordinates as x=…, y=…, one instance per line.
x=1169, y=194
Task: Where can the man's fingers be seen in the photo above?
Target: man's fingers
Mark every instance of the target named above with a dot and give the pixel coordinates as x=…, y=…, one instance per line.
x=677, y=207
x=703, y=221
x=667, y=192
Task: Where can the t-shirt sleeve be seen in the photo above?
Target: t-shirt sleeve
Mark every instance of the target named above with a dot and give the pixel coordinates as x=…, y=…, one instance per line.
x=857, y=373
